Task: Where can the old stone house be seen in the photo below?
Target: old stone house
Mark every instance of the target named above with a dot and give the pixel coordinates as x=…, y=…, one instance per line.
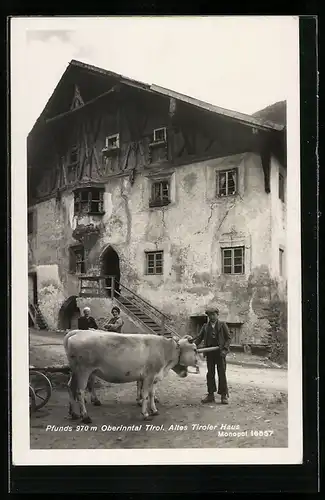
x=164, y=204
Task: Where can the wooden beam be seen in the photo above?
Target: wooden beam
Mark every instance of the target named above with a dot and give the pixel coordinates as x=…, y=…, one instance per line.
x=72, y=111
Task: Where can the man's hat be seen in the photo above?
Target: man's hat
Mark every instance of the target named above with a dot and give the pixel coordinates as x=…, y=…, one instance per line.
x=212, y=309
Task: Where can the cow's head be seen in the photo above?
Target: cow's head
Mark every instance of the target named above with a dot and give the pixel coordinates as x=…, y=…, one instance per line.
x=188, y=352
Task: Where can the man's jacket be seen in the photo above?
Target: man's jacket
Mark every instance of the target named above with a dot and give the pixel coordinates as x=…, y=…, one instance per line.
x=217, y=336
x=86, y=323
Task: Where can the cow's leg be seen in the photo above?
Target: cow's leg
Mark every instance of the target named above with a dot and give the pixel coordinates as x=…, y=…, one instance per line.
x=146, y=389
x=72, y=389
x=91, y=388
x=152, y=404
x=139, y=392
x=156, y=400
x=82, y=384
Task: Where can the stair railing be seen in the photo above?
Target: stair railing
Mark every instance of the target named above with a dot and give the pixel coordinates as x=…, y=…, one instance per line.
x=154, y=313
x=32, y=313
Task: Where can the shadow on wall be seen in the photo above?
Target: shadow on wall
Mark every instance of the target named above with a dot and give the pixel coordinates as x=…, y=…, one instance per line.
x=69, y=314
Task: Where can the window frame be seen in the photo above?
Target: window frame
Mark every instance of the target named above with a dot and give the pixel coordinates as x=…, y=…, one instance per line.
x=159, y=141
x=75, y=250
x=161, y=200
x=218, y=175
x=89, y=200
x=232, y=260
x=154, y=254
x=116, y=145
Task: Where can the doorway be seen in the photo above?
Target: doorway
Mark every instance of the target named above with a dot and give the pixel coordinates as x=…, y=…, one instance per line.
x=69, y=314
x=111, y=267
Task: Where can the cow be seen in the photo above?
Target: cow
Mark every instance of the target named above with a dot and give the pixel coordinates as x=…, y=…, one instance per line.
x=142, y=358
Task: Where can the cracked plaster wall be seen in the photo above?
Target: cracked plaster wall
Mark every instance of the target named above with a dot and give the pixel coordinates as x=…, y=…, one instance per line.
x=190, y=231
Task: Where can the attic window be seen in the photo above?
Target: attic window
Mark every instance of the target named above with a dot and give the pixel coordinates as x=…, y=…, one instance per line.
x=112, y=141
x=159, y=135
x=112, y=145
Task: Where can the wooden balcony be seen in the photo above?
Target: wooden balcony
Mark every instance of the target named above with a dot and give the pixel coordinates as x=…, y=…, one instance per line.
x=97, y=286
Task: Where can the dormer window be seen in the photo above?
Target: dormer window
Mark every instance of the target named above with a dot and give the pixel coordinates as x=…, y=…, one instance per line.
x=159, y=135
x=112, y=141
x=112, y=144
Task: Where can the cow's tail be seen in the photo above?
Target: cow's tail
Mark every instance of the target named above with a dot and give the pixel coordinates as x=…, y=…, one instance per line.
x=66, y=341
x=72, y=384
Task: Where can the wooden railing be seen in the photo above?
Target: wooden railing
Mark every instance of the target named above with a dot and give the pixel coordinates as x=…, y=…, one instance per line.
x=101, y=290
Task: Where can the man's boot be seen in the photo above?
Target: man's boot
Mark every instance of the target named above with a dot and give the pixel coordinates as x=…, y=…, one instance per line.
x=224, y=400
x=209, y=398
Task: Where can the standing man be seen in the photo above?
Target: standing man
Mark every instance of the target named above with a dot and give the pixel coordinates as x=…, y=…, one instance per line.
x=215, y=333
x=86, y=321
x=116, y=322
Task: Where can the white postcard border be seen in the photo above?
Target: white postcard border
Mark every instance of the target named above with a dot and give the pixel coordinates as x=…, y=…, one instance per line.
x=22, y=454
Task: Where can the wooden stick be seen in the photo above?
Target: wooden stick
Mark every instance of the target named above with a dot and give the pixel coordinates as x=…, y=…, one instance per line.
x=208, y=349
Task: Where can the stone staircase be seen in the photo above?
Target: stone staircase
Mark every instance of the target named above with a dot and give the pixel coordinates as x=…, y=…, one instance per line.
x=139, y=313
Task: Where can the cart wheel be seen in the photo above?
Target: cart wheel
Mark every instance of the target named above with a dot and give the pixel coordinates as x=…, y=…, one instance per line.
x=32, y=400
x=41, y=387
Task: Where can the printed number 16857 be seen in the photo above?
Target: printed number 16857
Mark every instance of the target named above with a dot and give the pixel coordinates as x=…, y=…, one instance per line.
x=262, y=433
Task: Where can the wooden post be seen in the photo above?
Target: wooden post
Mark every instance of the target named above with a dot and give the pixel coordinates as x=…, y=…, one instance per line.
x=112, y=286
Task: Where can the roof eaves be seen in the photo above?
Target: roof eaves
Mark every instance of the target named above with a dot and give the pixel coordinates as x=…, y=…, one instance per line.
x=246, y=119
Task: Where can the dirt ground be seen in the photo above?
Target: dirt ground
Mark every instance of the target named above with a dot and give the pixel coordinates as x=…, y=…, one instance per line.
x=256, y=414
